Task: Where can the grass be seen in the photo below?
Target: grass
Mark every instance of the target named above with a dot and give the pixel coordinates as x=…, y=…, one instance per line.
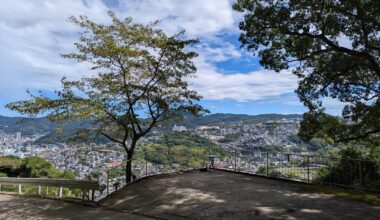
x=297, y=171
x=352, y=194
x=335, y=191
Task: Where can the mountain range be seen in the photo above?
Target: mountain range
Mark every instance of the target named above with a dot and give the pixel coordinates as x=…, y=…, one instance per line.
x=30, y=126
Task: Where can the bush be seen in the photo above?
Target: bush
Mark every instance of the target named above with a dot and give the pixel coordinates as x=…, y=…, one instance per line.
x=353, y=169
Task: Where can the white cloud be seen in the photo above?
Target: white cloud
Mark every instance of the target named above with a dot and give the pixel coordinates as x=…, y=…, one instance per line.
x=198, y=18
x=333, y=106
x=224, y=52
x=34, y=33
x=256, y=85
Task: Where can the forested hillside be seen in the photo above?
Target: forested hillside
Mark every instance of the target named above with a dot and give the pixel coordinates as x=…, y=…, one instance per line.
x=27, y=126
x=183, y=148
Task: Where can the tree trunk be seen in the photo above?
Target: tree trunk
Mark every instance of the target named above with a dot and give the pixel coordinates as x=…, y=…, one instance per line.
x=128, y=167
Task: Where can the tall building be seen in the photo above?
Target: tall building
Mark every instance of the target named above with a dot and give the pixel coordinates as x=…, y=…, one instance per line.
x=179, y=128
x=18, y=137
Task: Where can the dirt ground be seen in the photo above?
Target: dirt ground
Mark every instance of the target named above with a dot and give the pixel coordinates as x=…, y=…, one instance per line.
x=223, y=195
x=25, y=208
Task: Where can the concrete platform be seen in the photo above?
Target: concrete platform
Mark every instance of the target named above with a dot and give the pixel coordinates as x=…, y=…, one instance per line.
x=25, y=208
x=223, y=195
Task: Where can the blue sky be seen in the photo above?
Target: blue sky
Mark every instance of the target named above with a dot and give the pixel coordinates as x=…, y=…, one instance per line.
x=230, y=79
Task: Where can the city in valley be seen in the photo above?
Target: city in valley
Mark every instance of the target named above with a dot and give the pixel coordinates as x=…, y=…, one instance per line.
x=86, y=159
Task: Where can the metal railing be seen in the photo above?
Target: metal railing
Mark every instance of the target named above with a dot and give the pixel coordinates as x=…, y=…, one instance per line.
x=58, y=187
x=358, y=174
x=154, y=162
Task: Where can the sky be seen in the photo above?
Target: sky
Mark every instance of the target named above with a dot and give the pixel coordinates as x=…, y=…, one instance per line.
x=230, y=79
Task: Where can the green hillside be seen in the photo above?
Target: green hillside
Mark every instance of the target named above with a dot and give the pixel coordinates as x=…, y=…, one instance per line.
x=182, y=148
x=71, y=135
x=30, y=126
x=27, y=126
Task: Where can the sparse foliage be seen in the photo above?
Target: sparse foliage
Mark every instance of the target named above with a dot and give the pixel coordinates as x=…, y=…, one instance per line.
x=140, y=82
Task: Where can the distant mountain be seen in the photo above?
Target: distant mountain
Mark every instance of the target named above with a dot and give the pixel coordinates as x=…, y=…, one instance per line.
x=72, y=136
x=29, y=126
x=220, y=118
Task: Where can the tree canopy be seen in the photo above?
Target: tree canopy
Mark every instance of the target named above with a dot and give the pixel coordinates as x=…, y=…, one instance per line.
x=31, y=167
x=38, y=167
x=140, y=81
x=334, y=49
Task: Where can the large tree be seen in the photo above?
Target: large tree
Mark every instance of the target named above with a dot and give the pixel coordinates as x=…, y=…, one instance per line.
x=333, y=46
x=138, y=81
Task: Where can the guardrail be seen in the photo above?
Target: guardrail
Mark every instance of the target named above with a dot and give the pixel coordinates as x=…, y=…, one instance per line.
x=346, y=172
x=146, y=164
x=358, y=174
x=87, y=187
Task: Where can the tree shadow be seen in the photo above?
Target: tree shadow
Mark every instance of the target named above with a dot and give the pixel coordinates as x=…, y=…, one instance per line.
x=20, y=207
x=222, y=195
